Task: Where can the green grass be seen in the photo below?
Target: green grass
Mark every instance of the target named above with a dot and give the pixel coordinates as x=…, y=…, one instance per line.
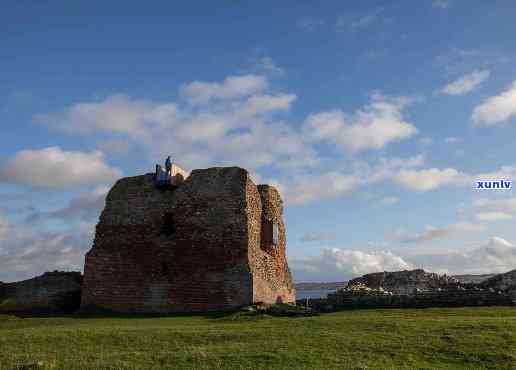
x=463, y=338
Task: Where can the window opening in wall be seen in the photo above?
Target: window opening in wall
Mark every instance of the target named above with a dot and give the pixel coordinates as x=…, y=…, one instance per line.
x=270, y=234
x=164, y=269
x=275, y=234
x=169, y=227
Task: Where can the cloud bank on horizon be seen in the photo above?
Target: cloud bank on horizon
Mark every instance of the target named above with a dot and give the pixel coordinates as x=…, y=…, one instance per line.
x=376, y=150
x=495, y=255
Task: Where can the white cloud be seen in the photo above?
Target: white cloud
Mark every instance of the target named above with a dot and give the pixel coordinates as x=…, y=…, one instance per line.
x=32, y=254
x=387, y=168
x=426, y=141
x=309, y=188
x=115, y=147
x=466, y=83
x=432, y=233
x=244, y=129
x=232, y=87
x=55, y=168
x=507, y=205
x=341, y=264
x=117, y=114
x=304, y=188
x=268, y=65
x=363, y=22
x=312, y=236
x=457, y=62
x=309, y=23
x=4, y=228
x=493, y=216
x=441, y=4
x=429, y=179
x=260, y=104
x=451, y=140
x=356, y=23
x=232, y=126
x=468, y=227
x=390, y=200
x=85, y=207
x=494, y=256
x=497, y=109
x=505, y=173
x=373, y=127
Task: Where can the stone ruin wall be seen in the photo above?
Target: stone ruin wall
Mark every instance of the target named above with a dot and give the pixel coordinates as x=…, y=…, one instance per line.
x=205, y=263
x=272, y=280
x=134, y=266
x=126, y=251
x=51, y=292
x=210, y=247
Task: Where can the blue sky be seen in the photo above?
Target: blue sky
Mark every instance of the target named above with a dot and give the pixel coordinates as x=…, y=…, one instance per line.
x=373, y=118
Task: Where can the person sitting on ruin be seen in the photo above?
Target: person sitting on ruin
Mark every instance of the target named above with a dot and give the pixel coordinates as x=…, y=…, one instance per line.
x=168, y=166
x=163, y=177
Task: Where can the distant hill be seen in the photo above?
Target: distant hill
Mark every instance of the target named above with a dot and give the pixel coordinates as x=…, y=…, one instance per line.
x=406, y=281
x=473, y=279
x=321, y=286
x=465, y=278
x=505, y=282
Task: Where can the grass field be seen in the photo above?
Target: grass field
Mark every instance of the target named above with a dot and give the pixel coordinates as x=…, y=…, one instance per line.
x=463, y=338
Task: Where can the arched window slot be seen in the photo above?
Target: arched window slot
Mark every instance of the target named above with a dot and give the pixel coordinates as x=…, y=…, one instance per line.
x=169, y=227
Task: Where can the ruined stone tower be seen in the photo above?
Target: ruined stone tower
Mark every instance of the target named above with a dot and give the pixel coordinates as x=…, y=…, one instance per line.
x=215, y=242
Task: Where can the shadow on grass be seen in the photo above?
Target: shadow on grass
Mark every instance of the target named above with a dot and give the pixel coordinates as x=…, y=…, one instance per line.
x=116, y=315
x=279, y=310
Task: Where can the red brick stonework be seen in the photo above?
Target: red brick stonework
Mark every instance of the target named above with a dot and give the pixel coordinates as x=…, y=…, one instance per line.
x=198, y=247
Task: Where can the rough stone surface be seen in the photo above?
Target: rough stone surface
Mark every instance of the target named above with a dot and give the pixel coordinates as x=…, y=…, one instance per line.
x=416, y=288
x=268, y=262
x=51, y=292
x=406, y=282
x=195, y=248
